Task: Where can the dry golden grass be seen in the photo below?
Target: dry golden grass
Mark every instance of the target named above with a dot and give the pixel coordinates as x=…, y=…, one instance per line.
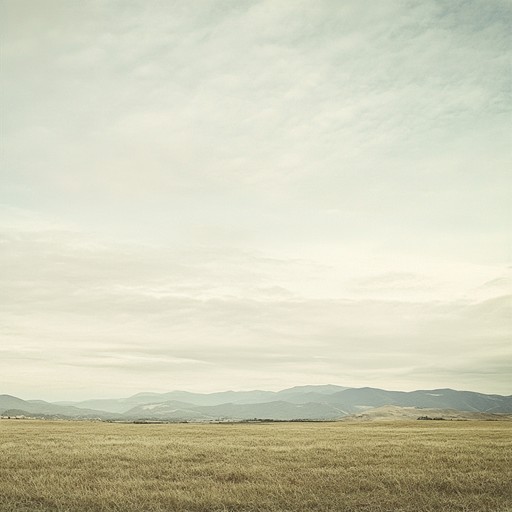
x=400, y=466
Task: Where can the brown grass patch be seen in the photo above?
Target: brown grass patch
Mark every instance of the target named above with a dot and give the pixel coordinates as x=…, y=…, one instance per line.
x=402, y=466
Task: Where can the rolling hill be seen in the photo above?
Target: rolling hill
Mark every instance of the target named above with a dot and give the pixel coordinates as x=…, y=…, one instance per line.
x=360, y=398
x=394, y=413
x=301, y=402
x=298, y=394
x=276, y=410
x=16, y=406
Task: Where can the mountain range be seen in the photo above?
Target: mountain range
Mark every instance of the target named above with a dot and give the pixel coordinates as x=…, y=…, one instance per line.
x=328, y=402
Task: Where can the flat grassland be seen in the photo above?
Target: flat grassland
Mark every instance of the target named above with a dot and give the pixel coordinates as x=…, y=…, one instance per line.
x=338, y=466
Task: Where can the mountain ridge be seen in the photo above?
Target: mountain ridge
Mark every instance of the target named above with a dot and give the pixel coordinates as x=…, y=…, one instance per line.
x=297, y=403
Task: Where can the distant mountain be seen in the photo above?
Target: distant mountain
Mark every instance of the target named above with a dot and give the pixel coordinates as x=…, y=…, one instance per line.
x=301, y=402
x=39, y=407
x=298, y=394
x=360, y=398
x=113, y=405
x=316, y=405
x=17, y=413
x=276, y=410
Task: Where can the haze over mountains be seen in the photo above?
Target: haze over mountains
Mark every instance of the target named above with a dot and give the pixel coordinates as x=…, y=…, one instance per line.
x=327, y=402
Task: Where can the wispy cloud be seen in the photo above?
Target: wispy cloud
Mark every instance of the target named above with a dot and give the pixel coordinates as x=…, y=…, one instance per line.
x=282, y=191
x=173, y=317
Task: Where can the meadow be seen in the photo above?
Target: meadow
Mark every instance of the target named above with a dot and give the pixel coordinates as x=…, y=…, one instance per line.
x=332, y=466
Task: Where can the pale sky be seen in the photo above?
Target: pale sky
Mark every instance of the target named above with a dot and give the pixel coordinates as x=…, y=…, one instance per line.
x=211, y=195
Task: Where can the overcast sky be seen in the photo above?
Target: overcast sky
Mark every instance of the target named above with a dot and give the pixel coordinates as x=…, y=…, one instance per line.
x=228, y=194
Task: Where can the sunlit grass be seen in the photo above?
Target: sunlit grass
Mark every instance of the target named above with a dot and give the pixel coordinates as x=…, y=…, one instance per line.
x=407, y=466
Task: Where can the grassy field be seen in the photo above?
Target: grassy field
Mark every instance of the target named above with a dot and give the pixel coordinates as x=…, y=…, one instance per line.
x=400, y=466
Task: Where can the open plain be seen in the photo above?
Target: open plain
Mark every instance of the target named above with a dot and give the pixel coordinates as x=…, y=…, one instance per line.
x=331, y=466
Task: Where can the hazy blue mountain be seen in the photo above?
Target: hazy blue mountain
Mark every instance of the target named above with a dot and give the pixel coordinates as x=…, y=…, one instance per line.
x=114, y=405
x=304, y=398
x=298, y=394
x=10, y=402
x=355, y=399
x=314, y=405
x=301, y=402
x=125, y=404
x=170, y=410
x=276, y=410
x=40, y=407
x=221, y=397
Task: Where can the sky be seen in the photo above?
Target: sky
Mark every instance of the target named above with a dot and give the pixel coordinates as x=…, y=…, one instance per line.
x=255, y=194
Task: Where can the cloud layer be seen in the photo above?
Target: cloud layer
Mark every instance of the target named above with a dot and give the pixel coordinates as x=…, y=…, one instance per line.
x=259, y=194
